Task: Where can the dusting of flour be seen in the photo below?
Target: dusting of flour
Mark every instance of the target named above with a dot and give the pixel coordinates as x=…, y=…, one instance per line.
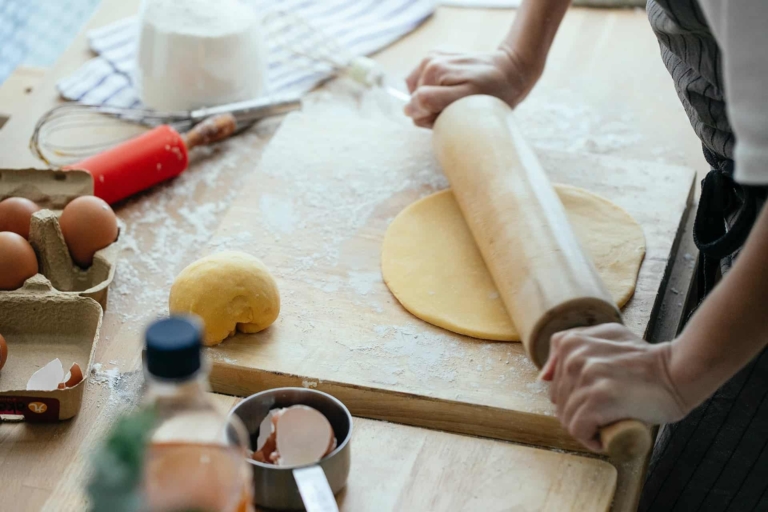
x=318, y=226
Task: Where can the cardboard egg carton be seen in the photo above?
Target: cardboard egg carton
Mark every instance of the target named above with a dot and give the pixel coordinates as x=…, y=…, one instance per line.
x=58, y=312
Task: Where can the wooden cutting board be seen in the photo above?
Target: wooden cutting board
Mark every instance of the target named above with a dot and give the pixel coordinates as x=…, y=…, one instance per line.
x=396, y=467
x=316, y=211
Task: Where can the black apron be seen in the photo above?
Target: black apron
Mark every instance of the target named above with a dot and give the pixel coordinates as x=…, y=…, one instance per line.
x=716, y=458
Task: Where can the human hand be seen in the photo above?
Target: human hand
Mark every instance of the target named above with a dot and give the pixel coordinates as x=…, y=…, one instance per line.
x=443, y=78
x=603, y=374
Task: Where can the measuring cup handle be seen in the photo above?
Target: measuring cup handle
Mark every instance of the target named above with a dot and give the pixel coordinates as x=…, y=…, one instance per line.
x=315, y=491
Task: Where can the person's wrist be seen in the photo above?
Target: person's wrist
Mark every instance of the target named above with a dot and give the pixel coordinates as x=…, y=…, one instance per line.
x=677, y=382
x=520, y=66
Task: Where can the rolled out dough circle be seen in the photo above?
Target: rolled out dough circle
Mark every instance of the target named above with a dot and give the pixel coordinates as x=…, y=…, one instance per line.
x=432, y=266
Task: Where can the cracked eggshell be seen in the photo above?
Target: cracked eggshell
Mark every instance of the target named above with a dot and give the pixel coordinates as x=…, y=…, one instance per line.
x=266, y=444
x=268, y=428
x=47, y=378
x=73, y=377
x=332, y=446
x=303, y=436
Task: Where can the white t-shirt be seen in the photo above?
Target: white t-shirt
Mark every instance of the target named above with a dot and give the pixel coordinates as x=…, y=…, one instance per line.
x=741, y=30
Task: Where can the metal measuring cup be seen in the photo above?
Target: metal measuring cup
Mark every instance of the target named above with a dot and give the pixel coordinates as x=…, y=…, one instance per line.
x=310, y=487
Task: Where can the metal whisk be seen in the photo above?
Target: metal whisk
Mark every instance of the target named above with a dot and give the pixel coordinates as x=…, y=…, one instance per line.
x=56, y=140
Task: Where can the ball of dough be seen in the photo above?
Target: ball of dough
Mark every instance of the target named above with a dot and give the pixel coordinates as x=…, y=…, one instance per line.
x=230, y=291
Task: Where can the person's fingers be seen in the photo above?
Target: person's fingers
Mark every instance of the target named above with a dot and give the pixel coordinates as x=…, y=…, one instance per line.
x=584, y=428
x=612, y=331
x=412, y=81
x=572, y=365
x=415, y=108
x=574, y=403
x=600, y=340
x=555, y=357
x=431, y=100
x=548, y=370
x=425, y=122
x=563, y=344
x=435, y=72
x=602, y=368
x=584, y=425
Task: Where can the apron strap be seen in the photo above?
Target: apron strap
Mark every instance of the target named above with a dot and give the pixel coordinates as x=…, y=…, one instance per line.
x=723, y=220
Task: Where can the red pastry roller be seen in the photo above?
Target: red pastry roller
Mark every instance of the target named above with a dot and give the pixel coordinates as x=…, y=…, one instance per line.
x=155, y=156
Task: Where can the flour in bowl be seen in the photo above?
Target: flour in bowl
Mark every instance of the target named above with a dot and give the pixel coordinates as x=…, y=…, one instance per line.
x=197, y=53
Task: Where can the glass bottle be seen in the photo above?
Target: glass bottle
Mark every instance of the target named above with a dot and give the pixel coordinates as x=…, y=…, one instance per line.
x=191, y=462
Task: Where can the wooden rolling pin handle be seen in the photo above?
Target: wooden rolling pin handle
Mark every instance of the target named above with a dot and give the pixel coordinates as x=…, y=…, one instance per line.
x=626, y=440
x=579, y=312
x=210, y=130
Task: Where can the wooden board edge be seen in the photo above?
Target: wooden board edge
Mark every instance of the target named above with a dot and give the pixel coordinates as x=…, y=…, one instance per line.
x=653, y=332
x=406, y=408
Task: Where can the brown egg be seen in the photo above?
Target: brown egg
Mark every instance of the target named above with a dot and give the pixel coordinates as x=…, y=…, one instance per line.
x=17, y=261
x=15, y=215
x=88, y=225
x=3, y=352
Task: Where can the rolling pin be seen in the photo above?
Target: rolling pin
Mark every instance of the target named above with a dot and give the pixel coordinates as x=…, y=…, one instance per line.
x=546, y=280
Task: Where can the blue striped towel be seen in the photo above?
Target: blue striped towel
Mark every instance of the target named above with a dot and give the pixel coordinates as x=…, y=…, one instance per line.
x=361, y=27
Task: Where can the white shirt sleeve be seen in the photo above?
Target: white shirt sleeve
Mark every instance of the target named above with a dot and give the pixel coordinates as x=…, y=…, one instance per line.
x=741, y=30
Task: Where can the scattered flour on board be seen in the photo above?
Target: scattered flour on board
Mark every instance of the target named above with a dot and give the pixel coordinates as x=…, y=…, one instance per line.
x=278, y=213
x=109, y=378
x=330, y=286
x=236, y=242
x=219, y=357
x=363, y=282
x=559, y=119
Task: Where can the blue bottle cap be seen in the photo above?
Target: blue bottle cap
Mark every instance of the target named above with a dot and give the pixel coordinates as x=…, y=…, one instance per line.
x=173, y=347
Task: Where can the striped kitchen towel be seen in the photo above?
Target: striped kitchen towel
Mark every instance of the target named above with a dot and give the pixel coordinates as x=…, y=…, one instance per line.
x=359, y=27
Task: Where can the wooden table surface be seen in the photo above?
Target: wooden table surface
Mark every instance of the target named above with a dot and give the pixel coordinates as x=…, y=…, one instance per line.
x=605, y=91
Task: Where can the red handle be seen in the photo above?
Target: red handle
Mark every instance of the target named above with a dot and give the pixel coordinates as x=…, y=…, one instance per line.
x=137, y=164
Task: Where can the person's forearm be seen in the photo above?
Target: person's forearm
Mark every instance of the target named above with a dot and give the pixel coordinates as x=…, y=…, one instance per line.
x=729, y=328
x=533, y=31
